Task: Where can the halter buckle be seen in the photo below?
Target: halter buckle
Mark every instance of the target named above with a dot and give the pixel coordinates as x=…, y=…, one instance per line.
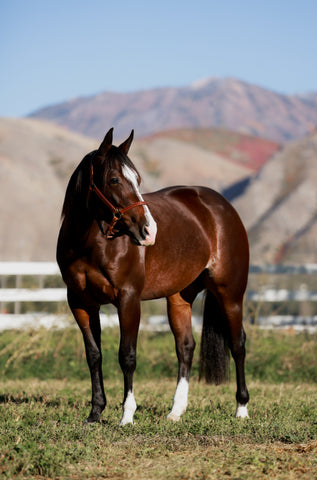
x=117, y=214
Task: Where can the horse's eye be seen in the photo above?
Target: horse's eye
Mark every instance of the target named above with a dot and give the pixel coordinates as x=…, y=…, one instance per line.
x=114, y=181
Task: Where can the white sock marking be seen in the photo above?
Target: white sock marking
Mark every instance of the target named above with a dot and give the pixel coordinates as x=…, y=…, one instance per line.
x=180, y=400
x=152, y=227
x=242, y=411
x=129, y=407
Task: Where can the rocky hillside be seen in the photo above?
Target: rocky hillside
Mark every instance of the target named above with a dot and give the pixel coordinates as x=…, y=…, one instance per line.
x=216, y=102
x=36, y=160
x=279, y=207
x=214, y=157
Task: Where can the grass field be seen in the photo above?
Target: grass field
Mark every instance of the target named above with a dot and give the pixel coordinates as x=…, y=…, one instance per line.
x=44, y=400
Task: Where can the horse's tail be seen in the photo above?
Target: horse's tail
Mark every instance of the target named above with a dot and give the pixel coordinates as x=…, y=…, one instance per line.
x=214, y=352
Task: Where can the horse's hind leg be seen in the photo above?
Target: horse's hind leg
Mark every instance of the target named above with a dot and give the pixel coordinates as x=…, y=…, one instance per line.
x=179, y=315
x=236, y=341
x=242, y=395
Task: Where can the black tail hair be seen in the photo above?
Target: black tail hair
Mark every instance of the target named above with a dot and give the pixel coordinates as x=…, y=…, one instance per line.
x=214, y=351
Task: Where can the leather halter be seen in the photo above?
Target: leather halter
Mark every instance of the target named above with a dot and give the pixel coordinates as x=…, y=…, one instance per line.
x=116, y=212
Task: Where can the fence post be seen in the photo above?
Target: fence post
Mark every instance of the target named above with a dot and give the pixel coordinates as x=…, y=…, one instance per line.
x=3, y=285
x=17, y=305
x=305, y=309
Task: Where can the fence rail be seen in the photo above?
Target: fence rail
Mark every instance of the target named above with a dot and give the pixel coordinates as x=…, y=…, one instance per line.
x=51, y=268
x=17, y=295
x=9, y=295
x=29, y=268
x=307, y=269
x=43, y=269
x=283, y=295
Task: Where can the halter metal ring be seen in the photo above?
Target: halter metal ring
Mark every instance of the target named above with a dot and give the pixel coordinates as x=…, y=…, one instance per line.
x=117, y=214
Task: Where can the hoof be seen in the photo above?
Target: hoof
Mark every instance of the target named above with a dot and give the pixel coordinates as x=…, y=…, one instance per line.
x=172, y=417
x=124, y=423
x=92, y=422
x=93, y=419
x=242, y=411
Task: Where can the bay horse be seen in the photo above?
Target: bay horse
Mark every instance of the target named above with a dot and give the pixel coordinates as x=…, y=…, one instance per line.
x=117, y=246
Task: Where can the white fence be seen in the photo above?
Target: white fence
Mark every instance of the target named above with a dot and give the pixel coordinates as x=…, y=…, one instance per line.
x=17, y=294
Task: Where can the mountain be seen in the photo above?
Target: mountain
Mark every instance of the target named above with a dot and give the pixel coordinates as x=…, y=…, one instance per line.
x=215, y=102
x=218, y=158
x=37, y=159
x=277, y=200
x=279, y=206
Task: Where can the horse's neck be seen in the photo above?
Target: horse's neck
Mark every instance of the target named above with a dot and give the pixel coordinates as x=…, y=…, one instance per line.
x=77, y=227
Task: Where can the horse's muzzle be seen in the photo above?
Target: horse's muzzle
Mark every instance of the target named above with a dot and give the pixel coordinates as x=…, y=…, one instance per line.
x=149, y=236
x=145, y=235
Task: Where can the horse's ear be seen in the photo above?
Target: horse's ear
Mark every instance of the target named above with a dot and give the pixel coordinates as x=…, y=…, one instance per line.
x=106, y=143
x=125, y=146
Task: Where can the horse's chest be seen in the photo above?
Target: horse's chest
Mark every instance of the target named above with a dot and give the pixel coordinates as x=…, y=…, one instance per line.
x=100, y=287
x=90, y=282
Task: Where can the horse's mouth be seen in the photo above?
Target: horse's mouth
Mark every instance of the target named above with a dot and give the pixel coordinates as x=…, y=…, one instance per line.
x=142, y=240
x=134, y=239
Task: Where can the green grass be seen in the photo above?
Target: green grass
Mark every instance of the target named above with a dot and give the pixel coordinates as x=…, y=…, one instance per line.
x=59, y=354
x=43, y=434
x=44, y=400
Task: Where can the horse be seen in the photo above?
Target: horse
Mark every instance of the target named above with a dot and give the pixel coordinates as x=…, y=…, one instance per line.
x=120, y=247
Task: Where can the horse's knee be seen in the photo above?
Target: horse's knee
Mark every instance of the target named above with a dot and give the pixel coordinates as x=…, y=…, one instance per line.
x=93, y=356
x=127, y=359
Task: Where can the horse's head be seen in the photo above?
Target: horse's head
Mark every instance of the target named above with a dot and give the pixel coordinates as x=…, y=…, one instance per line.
x=115, y=181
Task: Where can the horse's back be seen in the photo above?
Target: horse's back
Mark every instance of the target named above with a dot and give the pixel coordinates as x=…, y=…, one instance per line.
x=197, y=199
x=201, y=209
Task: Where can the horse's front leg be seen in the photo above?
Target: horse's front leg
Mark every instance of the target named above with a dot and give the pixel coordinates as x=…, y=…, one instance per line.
x=89, y=323
x=129, y=317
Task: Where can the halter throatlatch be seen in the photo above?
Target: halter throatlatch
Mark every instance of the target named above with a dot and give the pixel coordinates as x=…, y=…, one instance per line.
x=116, y=212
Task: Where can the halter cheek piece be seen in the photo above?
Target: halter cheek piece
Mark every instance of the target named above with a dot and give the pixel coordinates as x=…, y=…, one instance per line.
x=116, y=212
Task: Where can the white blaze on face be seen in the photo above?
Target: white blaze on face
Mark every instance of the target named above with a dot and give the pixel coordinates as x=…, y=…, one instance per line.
x=151, y=224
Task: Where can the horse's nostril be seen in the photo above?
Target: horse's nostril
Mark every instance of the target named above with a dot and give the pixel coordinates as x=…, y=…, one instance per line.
x=133, y=219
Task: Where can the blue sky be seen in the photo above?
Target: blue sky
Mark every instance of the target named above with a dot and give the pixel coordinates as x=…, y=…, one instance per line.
x=54, y=50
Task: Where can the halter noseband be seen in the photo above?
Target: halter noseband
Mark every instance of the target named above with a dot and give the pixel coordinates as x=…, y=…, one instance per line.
x=116, y=212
